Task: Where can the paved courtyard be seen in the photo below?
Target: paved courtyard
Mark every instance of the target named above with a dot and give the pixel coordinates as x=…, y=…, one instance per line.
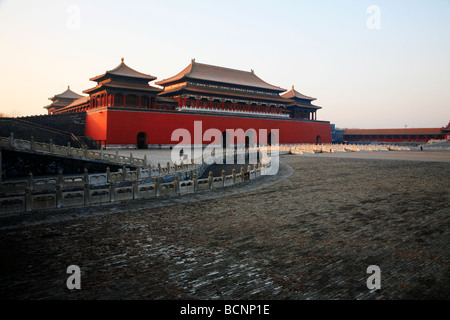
x=308, y=233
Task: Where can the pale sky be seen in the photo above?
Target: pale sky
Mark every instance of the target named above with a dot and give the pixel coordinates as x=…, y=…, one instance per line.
x=370, y=64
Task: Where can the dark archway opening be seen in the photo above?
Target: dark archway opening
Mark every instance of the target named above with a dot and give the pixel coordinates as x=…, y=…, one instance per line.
x=142, y=140
x=271, y=139
x=225, y=138
x=247, y=142
x=318, y=140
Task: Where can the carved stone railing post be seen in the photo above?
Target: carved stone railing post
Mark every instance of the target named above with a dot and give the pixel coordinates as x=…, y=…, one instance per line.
x=28, y=199
x=233, y=172
x=223, y=178
x=50, y=146
x=134, y=188
x=59, y=196
x=32, y=144
x=210, y=179
x=157, y=187
x=11, y=140
x=69, y=149
x=194, y=181
x=108, y=175
x=176, y=184
x=86, y=176
x=86, y=194
x=111, y=191
x=124, y=173
x=30, y=181
x=60, y=178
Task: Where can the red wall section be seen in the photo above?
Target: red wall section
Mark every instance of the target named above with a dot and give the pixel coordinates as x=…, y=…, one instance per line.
x=96, y=125
x=124, y=126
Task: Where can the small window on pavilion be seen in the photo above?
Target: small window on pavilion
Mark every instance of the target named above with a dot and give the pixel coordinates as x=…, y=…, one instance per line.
x=132, y=100
x=144, y=102
x=118, y=100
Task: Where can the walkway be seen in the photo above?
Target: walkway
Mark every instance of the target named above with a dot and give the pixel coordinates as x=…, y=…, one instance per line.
x=310, y=236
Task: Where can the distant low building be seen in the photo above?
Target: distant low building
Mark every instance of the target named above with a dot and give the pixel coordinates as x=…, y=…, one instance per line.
x=337, y=135
x=397, y=135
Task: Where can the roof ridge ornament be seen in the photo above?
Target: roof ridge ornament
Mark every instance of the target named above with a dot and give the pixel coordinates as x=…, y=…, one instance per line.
x=193, y=60
x=122, y=59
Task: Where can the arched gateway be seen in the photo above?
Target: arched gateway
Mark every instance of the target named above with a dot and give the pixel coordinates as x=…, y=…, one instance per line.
x=142, y=140
x=318, y=140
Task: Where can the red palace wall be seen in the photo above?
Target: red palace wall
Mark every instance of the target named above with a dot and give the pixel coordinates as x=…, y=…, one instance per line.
x=96, y=125
x=121, y=127
x=390, y=139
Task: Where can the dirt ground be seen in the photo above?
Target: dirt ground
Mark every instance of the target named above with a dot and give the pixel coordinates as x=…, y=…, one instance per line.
x=309, y=233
